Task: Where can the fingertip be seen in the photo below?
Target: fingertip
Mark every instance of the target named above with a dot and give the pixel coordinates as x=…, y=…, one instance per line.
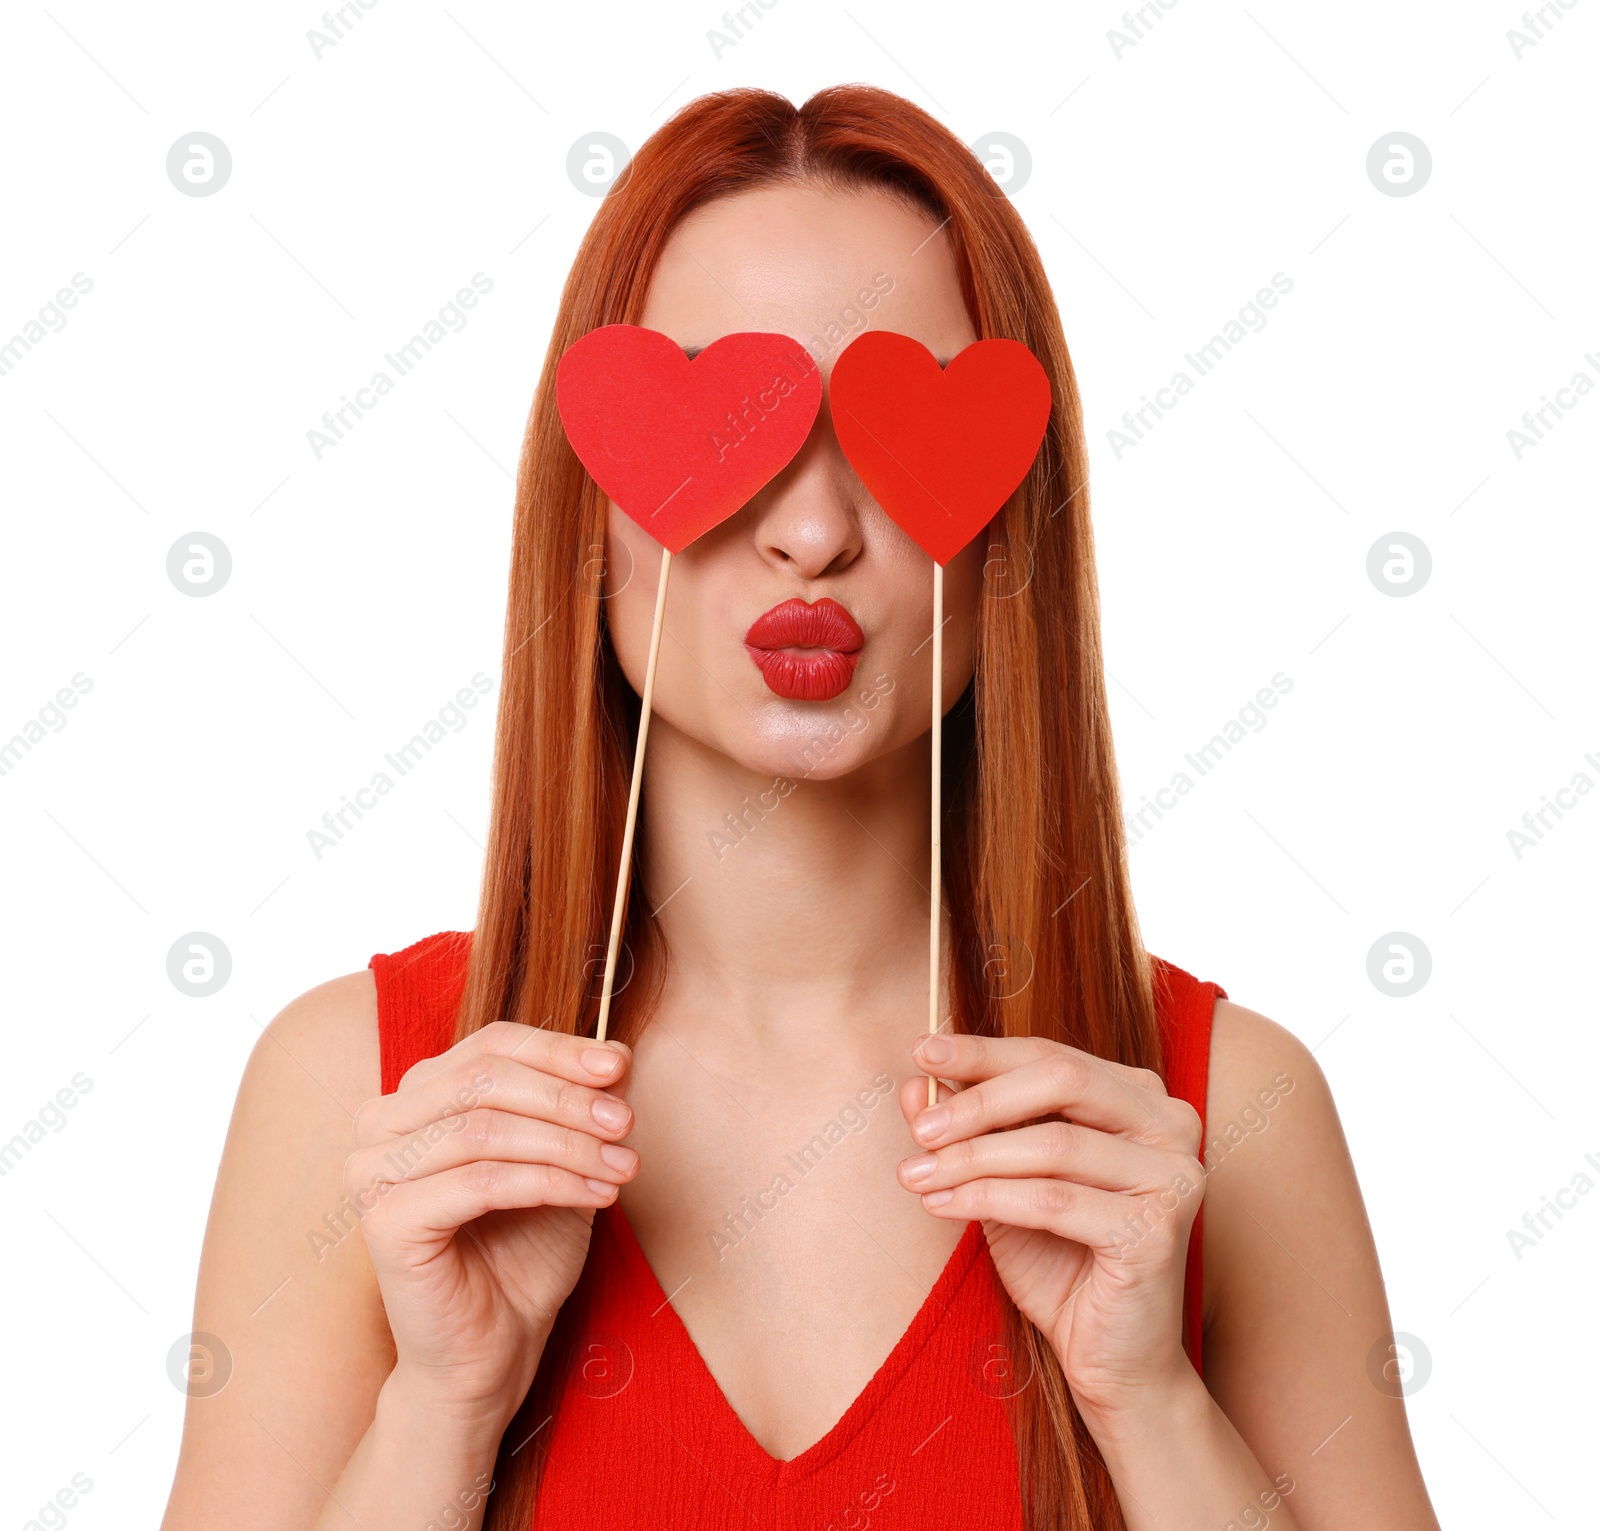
x=603, y=1060
x=625, y=1161
x=916, y=1170
x=914, y=1095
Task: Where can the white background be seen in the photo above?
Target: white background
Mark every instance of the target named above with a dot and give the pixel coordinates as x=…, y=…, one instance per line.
x=1168, y=184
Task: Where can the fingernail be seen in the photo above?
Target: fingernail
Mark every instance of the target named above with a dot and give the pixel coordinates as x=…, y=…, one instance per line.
x=931, y=1123
x=599, y=1187
x=936, y=1049
x=600, y=1061
x=611, y=1114
x=919, y=1168
x=937, y=1198
x=618, y=1157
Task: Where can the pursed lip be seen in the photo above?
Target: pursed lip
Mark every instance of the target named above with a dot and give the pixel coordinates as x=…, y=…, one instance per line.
x=806, y=652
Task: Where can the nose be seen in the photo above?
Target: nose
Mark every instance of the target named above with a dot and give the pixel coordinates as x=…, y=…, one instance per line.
x=807, y=520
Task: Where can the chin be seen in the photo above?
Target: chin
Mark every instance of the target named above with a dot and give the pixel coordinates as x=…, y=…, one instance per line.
x=818, y=741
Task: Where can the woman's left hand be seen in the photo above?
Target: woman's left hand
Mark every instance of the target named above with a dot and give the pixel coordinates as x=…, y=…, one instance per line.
x=1087, y=1207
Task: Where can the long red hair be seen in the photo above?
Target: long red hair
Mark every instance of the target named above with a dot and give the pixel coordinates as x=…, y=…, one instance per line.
x=1035, y=863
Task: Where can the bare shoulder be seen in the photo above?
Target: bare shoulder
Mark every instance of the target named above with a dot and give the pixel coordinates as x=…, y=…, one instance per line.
x=291, y=1345
x=329, y=1038
x=1247, y=1049
x=1273, y=1142
x=1297, y=1320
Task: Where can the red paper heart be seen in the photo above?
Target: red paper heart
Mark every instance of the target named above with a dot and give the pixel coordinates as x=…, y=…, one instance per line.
x=941, y=450
x=681, y=445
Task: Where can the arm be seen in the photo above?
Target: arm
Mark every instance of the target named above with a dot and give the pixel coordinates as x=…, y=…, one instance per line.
x=285, y=1285
x=1297, y=1322
x=375, y=1344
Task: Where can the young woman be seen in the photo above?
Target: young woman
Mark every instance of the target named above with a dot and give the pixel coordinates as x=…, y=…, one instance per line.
x=729, y=1268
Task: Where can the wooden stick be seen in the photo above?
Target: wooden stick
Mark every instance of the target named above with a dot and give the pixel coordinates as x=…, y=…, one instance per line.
x=934, y=875
x=619, y=909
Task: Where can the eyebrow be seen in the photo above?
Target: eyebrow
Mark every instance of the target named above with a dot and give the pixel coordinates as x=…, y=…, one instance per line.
x=693, y=351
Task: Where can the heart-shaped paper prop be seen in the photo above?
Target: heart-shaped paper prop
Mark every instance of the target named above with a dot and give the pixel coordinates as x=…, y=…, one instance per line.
x=940, y=449
x=681, y=444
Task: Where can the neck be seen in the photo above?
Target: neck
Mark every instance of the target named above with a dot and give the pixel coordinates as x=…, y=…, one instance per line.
x=798, y=904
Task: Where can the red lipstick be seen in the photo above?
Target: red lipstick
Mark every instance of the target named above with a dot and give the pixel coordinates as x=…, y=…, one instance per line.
x=806, y=653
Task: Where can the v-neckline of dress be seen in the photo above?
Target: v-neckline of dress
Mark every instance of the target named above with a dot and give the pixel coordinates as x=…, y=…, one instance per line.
x=861, y=1408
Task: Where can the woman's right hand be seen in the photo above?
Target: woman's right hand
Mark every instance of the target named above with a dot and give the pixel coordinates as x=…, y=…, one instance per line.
x=477, y=1182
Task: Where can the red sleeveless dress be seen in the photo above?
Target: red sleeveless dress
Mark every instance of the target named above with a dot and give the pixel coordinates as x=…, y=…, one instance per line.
x=642, y=1437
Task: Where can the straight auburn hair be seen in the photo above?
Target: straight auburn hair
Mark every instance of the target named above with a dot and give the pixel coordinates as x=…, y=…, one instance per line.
x=1034, y=856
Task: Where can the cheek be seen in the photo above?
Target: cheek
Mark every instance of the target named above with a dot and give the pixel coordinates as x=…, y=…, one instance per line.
x=965, y=590
x=632, y=564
